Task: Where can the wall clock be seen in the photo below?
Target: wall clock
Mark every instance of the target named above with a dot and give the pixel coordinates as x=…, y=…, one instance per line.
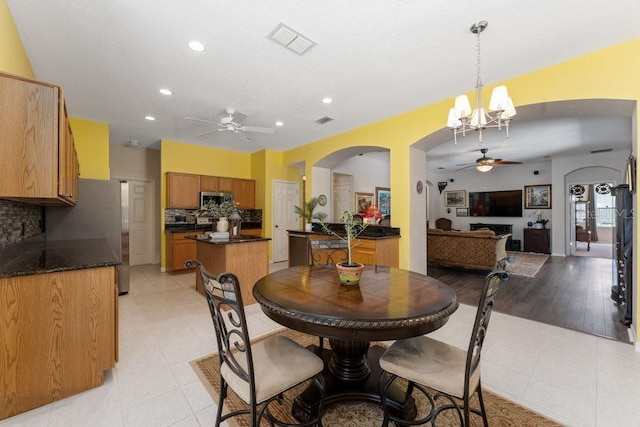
x=419, y=187
x=322, y=200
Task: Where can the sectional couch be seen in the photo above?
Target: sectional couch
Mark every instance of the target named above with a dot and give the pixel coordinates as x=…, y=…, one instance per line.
x=477, y=250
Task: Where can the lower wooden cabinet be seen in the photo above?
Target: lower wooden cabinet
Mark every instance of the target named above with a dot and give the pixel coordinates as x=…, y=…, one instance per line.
x=537, y=240
x=59, y=333
x=377, y=252
x=179, y=250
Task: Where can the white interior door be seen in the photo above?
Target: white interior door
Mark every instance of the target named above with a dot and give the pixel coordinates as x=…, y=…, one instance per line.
x=140, y=222
x=285, y=197
x=342, y=194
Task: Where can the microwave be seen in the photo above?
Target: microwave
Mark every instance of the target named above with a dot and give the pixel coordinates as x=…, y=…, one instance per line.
x=214, y=196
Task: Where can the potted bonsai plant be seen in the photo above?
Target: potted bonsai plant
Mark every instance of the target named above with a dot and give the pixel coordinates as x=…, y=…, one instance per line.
x=348, y=271
x=306, y=212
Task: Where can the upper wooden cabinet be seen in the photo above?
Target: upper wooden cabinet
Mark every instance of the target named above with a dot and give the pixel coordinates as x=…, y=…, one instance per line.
x=39, y=161
x=244, y=193
x=209, y=183
x=225, y=184
x=183, y=190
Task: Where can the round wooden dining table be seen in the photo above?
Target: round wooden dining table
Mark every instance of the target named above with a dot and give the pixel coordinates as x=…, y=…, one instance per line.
x=388, y=304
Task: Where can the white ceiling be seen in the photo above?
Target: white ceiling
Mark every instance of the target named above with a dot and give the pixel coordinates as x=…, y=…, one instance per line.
x=375, y=58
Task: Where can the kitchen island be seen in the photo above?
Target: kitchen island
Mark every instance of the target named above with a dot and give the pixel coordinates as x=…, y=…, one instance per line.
x=58, y=320
x=247, y=257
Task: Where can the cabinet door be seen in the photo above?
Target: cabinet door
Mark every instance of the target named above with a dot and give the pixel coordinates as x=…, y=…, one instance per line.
x=209, y=183
x=68, y=168
x=244, y=193
x=183, y=190
x=183, y=250
x=29, y=148
x=225, y=184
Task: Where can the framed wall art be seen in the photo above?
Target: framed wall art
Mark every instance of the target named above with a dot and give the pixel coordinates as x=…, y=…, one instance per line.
x=462, y=211
x=455, y=198
x=363, y=202
x=383, y=200
x=537, y=196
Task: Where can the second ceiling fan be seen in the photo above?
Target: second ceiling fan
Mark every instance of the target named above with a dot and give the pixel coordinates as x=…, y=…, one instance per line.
x=485, y=163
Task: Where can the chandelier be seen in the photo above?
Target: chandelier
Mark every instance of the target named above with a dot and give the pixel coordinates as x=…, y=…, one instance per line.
x=462, y=119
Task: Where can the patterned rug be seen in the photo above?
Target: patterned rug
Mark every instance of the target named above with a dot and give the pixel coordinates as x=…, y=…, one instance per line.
x=527, y=263
x=500, y=412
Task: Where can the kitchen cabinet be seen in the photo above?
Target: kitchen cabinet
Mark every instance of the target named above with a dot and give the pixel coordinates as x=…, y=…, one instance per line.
x=225, y=184
x=59, y=334
x=209, y=183
x=537, y=240
x=183, y=191
x=39, y=161
x=377, y=252
x=179, y=250
x=244, y=193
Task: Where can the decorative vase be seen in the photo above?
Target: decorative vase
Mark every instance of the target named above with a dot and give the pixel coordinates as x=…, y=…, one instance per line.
x=222, y=225
x=308, y=227
x=350, y=274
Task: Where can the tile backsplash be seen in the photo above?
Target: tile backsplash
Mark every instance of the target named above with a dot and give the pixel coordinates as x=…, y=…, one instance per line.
x=18, y=221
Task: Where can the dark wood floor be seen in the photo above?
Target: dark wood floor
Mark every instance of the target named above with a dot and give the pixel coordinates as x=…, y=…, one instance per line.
x=570, y=292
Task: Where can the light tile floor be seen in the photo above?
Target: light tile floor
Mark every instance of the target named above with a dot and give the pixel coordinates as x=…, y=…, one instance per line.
x=574, y=378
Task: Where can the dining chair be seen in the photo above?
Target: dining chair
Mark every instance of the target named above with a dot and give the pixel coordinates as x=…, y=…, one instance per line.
x=259, y=372
x=444, y=224
x=329, y=251
x=453, y=373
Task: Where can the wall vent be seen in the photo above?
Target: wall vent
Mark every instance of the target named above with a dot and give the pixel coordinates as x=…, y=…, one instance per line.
x=604, y=150
x=324, y=120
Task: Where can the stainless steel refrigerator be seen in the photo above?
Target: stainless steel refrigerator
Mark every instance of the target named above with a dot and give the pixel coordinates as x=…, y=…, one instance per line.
x=102, y=212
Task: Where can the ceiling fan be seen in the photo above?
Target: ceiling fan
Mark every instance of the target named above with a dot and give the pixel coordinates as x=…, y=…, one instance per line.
x=231, y=122
x=485, y=164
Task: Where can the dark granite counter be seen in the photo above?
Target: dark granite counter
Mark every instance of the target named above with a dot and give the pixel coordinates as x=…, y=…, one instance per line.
x=372, y=232
x=243, y=239
x=40, y=256
x=182, y=228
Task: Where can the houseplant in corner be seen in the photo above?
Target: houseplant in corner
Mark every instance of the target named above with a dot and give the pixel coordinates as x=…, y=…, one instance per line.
x=306, y=212
x=348, y=271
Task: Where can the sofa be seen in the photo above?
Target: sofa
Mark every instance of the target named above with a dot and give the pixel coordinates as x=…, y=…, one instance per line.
x=478, y=250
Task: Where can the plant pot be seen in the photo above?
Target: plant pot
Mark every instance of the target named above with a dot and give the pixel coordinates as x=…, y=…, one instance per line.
x=222, y=225
x=308, y=227
x=350, y=274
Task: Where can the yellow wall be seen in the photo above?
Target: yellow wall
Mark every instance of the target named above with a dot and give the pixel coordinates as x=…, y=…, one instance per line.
x=13, y=58
x=176, y=156
x=92, y=145
x=609, y=73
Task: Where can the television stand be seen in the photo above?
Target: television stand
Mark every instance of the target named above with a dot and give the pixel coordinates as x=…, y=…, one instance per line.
x=496, y=228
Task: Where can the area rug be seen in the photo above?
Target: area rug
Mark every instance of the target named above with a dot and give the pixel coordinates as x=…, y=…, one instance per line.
x=527, y=263
x=500, y=412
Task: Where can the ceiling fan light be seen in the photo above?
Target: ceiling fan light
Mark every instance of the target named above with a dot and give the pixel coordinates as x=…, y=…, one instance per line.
x=462, y=107
x=484, y=168
x=499, y=99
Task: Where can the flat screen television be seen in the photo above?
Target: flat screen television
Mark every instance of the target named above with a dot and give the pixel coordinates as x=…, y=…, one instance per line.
x=496, y=203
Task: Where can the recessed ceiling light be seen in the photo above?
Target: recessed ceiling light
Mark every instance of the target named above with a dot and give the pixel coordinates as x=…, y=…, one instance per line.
x=279, y=123
x=197, y=46
x=165, y=92
x=327, y=100
x=150, y=118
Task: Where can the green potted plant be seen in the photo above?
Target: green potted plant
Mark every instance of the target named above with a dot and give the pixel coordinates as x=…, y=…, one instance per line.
x=348, y=271
x=306, y=212
x=221, y=212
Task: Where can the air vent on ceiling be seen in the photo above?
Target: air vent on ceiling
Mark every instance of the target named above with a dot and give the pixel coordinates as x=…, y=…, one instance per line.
x=291, y=39
x=324, y=120
x=604, y=150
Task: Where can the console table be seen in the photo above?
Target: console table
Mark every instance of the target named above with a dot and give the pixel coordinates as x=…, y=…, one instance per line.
x=537, y=240
x=496, y=228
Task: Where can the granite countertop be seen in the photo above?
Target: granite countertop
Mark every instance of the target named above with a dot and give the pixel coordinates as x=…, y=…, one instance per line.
x=372, y=232
x=242, y=239
x=185, y=228
x=41, y=256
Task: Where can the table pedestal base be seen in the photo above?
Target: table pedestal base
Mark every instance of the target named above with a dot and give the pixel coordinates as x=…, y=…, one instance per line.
x=339, y=390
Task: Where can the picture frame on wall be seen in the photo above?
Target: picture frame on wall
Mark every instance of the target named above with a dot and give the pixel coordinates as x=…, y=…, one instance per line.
x=383, y=200
x=363, y=202
x=462, y=211
x=455, y=198
x=537, y=196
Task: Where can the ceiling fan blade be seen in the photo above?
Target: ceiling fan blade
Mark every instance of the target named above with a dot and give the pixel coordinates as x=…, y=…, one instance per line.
x=201, y=120
x=208, y=132
x=256, y=129
x=466, y=164
x=466, y=167
x=506, y=162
